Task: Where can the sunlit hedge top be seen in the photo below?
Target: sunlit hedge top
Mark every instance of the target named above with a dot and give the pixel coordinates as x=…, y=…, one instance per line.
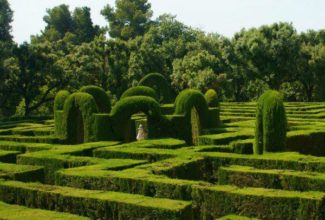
x=101, y=98
x=158, y=82
x=60, y=98
x=140, y=91
x=212, y=98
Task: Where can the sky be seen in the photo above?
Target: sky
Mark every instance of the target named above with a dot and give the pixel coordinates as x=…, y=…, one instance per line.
x=225, y=17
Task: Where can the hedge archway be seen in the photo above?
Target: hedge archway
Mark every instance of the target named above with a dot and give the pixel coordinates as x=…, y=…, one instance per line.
x=125, y=108
x=60, y=98
x=78, y=117
x=159, y=83
x=188, y=99
x=101, y=98
x=140, y=91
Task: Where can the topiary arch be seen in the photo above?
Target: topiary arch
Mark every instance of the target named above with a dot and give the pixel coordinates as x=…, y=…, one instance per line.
x=212, y=98
x=59, y=100
x=125, y=108
x=159, y=83
x=78, y=117
x=192, y=104
x=271, y=123
x=101, y=98
x=140, y=91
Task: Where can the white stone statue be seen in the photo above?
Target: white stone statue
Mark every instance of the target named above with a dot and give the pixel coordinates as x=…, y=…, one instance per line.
x=142, y=133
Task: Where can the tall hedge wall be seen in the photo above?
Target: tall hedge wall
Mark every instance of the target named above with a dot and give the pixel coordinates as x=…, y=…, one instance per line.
x=60, y=98
x=126, y=107
x=212, y=98
x=78, y=117
x=188, y=99
x=101, y=98
x=140, y=91
x=159, y=83
x=271, y=123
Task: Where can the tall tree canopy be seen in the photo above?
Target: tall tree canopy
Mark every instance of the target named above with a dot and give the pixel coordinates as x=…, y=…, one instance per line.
x=129, y=18
x=6, y=15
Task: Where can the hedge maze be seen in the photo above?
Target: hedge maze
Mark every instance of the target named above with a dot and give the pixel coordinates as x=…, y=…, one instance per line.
x=85, y=163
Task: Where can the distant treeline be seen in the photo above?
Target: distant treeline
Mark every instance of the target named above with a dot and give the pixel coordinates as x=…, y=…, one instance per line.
x=72, y=52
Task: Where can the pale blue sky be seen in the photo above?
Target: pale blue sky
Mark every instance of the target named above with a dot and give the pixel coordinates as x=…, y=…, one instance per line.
x=222, y=16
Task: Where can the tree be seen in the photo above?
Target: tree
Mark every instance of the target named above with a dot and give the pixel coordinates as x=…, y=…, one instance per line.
x=84, y=29
x=59, y=21
x=39, y=75
x=6, y=15
x=271, y=52
x=129, y=18
x=198, y=69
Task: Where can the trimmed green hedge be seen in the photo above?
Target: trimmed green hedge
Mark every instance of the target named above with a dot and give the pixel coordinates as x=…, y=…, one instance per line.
x=271, y=123
x=159, y=83
x=262, y=203
x=59, y=100
x=244, y=176
x=101, y=98
x=140, y=91
x=15, y=212
x=126, y=107
x=78, y=118
x=212, y=98
x=94, y=204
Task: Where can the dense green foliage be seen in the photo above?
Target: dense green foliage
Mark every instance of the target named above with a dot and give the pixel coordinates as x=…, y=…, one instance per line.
x=78, y=116
x=271, y=123
x=72, y=52
x=212, y=98
x=140, y=91
x=189, y=99
x=42, y=178
x=60, y=98
x=126, y=107
x=102, y=100
x=159, y=83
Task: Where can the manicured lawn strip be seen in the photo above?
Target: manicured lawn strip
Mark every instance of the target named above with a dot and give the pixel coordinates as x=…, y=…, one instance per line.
x=262, y=203
x=8, y=156
x=93, y=204
x=23, y=173
x=15, y=212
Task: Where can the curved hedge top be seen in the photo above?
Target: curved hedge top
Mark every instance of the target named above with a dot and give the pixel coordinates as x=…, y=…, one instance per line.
x=128, y=106
x=271, y=123
x=158, y=82
x=60, y=98
x=212, y=98
x=188, y=99
x=140, y=91
x=101, y=98
x=87, y=106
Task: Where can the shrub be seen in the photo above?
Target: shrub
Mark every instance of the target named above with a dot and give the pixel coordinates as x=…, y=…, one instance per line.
x=212, y=98
x=59, y=100
x=188, y=99
x=78, y=117
x=159, y=83
x=101, y=98
x=271, y=123
x=140, y=91
x=126, y=107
